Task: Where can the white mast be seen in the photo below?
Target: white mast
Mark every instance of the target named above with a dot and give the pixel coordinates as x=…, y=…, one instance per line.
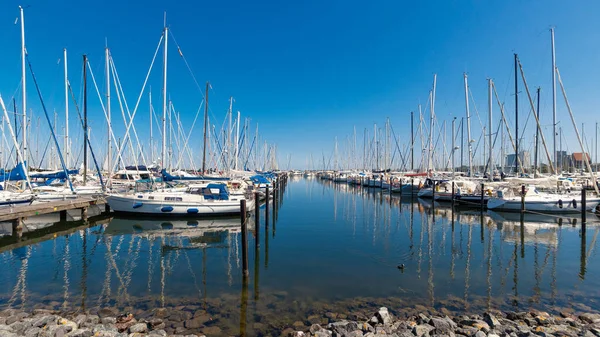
x=468, y=125
x=228, y=138
x=67, y=152
x=23, y=88
x=237, y=140
x=491, y=163
x=553, y=98
x=164, y=119
x=108, y=116
x=150, y=111
x=432, y=110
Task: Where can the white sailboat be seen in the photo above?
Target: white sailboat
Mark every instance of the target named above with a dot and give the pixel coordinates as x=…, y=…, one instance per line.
x=509, y=200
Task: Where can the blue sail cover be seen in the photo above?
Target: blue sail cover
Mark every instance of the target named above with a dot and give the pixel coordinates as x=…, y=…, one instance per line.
x=168, y=177
x=259, y=179
x=16, y=174
x=223, y=192
x=52, y=175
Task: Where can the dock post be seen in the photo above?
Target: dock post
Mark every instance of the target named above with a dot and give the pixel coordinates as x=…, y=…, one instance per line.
x=63, y=215
x=522, y=198
x=244, y=237
x=482, y=198
x=267, y=210
x=107, y=208
x=257, y=218
x=452, y=200
x=84, y=214
x=583, y=207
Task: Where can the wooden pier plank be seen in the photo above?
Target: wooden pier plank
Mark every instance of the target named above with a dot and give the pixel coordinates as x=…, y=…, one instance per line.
x=13, y=213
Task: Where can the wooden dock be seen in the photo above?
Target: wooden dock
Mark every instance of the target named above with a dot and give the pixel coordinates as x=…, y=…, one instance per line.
x=17, y=214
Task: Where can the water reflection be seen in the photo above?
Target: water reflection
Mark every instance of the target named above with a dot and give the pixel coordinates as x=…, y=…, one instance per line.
x=337, y=249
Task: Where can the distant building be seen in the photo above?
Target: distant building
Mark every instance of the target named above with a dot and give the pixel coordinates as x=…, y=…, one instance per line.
x=563, y=159
x=578, y=158
x=524, y=157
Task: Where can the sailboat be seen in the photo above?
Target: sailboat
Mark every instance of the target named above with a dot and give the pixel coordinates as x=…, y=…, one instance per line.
x=509, y=200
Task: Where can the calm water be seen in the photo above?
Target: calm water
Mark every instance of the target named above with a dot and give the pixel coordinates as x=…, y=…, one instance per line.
x=329, y=247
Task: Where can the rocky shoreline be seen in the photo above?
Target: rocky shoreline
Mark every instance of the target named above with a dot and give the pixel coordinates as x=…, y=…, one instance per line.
x=178, y=322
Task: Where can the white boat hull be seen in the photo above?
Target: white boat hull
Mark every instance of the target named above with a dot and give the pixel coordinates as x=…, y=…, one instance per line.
x=563, y=205
x=129, y=204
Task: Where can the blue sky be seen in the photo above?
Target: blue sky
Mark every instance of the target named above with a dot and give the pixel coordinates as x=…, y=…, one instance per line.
x=309, y=71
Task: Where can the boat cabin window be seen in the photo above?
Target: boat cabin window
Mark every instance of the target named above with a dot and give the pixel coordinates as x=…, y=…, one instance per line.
x=173, y=199
x=144, y=176
x=195, y=190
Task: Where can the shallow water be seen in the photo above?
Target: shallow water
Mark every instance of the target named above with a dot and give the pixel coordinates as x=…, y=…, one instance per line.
x=328, y=248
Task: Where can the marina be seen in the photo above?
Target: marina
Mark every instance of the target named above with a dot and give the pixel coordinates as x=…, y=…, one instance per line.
x=387, y=193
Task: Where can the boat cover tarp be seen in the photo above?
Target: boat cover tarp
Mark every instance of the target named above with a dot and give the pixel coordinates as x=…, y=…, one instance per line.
x=223, y=192
x=136, y=168
x=168, y=177
x=52, y=175
x=260, y=179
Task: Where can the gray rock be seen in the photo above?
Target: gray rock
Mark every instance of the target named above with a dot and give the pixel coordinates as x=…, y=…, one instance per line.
x=4, y=327
x=8, y=312
x=108, y=320
x=20, y=327
x=343, y=327
x=139, y=327
x=108, y=312
x=374, y=320
x=44, y=320
x=314, y=328
x=322, y=333
x=355, y=333
x=161, y=313
x=423, y=319
x=157, y=333
x=80, y=333
x=11, y=319
x=491, y=320
x=441, y=325
x=383, y=316
x=32, y=332
x=479, y=334
x=590, y=318
x=422, y=329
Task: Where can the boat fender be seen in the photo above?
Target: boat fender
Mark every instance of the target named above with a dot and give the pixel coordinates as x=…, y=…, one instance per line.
x=560, y=203
x=574, y=203
x=167, y=209
x=138, y=205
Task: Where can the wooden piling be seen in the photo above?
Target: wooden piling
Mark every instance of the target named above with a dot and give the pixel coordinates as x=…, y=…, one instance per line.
x=106, y=207
x=522, y=198
x=84, y=214
x=482, y=196
x=452, y=199
x=267, y=206
x=257, y=218
x=583, y=207
x=63, y=215
x=244, y=237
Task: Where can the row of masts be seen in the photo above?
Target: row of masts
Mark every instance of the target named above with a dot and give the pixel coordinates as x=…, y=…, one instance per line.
x=235, y=149
x=374, y=158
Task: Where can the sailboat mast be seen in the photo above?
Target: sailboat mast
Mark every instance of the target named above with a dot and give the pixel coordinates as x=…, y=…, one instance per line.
x=412, y=141
x=553, y=98
x=537, y=137
x=85, y=124
x=491, y=157
x=24, y=88
x=453, y=146
x=66, y=108
x=151, y=135
x=164, y=119
x=516, y=117
x=108, y=116
x=205, y=128
x=237, y=140
x=468, y=125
